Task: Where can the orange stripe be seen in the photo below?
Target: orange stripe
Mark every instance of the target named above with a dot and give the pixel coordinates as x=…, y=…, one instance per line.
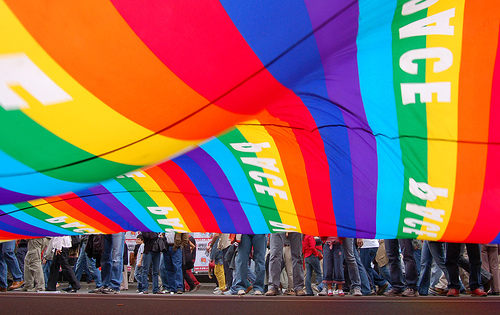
x=188, y=213
x=92, y=42
x=295, y=170
x=104, y=225
x=478, y=56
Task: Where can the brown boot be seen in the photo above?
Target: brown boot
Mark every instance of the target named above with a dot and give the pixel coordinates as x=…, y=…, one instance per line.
x=16, y=285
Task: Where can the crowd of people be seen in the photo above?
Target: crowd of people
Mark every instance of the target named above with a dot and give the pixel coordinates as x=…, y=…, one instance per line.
x=286, y=263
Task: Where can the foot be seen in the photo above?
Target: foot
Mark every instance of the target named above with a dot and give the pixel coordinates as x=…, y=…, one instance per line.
x=341, y=293
x=356, y=292
x=289, y=292
x=258, y=292
x=196, y=287
x=410, y=293
x=393, y=292
x=381, y=289
x=271, y=292
x=300, y=292
x=248, y=289
x=16, y=285
x=453, y=293
x=324, y=292
x=241, y=292
x=478, y=293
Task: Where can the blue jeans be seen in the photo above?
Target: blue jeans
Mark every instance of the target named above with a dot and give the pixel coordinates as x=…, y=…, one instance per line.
x=367, y=255
x=151, y=258
x=7, y=254
x=112, y=261
x=46, y=271
x=431, y=251
x=163, y=273
x=138, y=277
x=333, y=267
x=240, y=281
x=363, y=275
x=312, y=263
x=84, y=263
x=173, y=263
x=352, y=266
x=397, y=278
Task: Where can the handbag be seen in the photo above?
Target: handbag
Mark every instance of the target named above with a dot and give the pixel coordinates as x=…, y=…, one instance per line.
x=160, y=244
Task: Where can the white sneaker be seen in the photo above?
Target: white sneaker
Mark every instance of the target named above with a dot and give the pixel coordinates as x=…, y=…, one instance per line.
x=218, y=292
x=357, y=292
x=257, y=292
x=324, y=292
x=241, y=292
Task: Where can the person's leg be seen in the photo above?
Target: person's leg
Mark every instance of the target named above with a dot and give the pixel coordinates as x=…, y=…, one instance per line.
x=287, y=272
x=11, y=260
x=259, y=251
x=96, y=273
x=411, y=273
x=438, y=253
x=425, y=270
x=395, y=271
x=67, y=270
x=276, y=242
x=117, y=246
x=227, y=271
x=474, y=253
x=54, y=273
x=493, y=263
x=241, y=264
x=147, y=259
x=365, y=282
x=348, y=250
x=452, y=256
x=177, y=265
x=155, y=265
x=309, y=269
x=298, y=269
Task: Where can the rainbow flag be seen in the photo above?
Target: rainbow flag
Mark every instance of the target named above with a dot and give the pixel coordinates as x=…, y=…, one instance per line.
x=370, y=119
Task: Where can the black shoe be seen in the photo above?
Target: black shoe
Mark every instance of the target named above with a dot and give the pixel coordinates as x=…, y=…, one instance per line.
x=67, y=289
x=73, y=291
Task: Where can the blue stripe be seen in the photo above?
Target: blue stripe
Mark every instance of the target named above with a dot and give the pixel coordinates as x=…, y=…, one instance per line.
x=35, y=223
x=33, y=183
x=239, y=182
x=377, y=90
x=132, y=204
x=207, y=191
x=93, y=201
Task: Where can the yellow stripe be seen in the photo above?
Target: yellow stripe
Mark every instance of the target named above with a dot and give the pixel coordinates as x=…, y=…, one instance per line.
x=286, y=208
x=161, y=199
x=85, y=122
x=442, y=118
x=52, y=211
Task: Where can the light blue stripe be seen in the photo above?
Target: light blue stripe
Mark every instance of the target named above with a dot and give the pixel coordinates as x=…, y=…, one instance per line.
x=132, y=204
x=34, y=183
x=14, y=212
x=239, y=181
x=377, y=90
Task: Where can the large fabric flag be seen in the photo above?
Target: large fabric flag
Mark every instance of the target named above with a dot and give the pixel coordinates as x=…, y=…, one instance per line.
x=373, y=119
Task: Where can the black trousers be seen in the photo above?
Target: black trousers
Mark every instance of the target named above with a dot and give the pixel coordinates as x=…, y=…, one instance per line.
x=61, y=261
x=453, y=260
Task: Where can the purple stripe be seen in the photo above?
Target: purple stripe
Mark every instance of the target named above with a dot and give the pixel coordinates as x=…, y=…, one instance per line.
x=223, y=188
x=13, y=225
x=337, y=46
x=120, y=212
x=9, y=196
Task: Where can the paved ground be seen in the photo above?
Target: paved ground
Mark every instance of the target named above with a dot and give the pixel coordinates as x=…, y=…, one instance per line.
x=205, y=302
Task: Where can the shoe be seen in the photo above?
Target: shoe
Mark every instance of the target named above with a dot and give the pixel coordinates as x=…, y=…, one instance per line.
x=271, y=292
x=179, y=291
x=330, y=293
x=478, y=293
x=16, y=285
x=159, y=292
x=300, y=292
x=67, y=289
x=72, y=291
x=410, y=293
x=144, y=292
x=248, y=289
x=196, y=287
x=109, y=291
x=356, y=292
x=242, y=292
x=323, y=292
x=453, y=293
x=340, y=293
x=258, y=292
x=314, y=286
x=289, y=292
x=165, y=291
x=218, y=292
x=393, y=292
x=381, y=289
x=494, y=293
x=96, y=290
x=3, y=289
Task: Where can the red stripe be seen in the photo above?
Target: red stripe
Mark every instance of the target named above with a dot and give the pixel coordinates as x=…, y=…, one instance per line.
x=315, y=160
x=487, y=224
x=199, y=43
x=189, y=213
x=192, y=195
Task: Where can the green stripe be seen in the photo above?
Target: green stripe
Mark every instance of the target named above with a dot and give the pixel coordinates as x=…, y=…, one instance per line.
x=265, y=202
x=412, y=118
x=31, y=144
